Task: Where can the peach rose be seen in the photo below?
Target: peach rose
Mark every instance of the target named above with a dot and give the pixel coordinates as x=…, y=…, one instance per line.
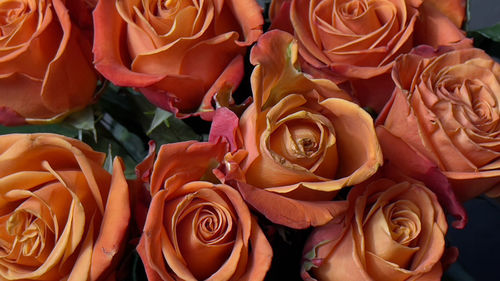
x=45, y=62
x=178, y=53
x=63, y=217
x=296, y=145
x=196, y=229
x=391, y=231
x=446, y=107
x=359, y=39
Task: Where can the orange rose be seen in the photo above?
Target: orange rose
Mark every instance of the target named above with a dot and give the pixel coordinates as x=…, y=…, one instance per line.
x=359, y=39
x=63, y=217
x=391, y=231
x=196, y=229
x=446, y=107
x=299, y=145
x=45, y=63
x=178, y=53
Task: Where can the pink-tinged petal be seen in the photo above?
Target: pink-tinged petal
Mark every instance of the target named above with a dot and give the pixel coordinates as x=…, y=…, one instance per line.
x=8, y=117
x=225, y=127
x=163, y=94
x=290, y=212
x=143, y=170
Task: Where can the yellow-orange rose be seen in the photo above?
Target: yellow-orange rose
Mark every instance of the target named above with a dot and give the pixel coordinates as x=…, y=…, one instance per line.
x=446, y=107
x=178, y=53
x=299, y=145
x=62, y=216
x=391, y=231
x=196, y=229
x=45, y=62
x=359, y=39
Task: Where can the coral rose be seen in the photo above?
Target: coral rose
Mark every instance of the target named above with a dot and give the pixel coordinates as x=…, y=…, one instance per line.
x=178, y=53
x=45, y=62
x=196, y=229
x=300, y=146
x=63, y=217
x=359, y=39
x=391, y=231
x=446, y=107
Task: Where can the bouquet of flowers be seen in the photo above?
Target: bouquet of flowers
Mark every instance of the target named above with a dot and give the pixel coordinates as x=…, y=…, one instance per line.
x=244, y=139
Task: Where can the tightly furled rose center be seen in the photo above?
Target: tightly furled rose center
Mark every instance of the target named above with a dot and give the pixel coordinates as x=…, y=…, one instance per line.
x=303, y=139
x=473, y=99
x=27, y=231
x=39, y=225
x=353, y=8
x=400, y=222
x=204, y=230
x=10, y=11
x=343, y=28
x=30, y=236
x=391, y=231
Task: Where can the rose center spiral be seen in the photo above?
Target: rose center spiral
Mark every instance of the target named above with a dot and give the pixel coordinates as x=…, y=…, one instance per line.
x=211, y=224
x=28, y=233
x=168, y=4
x=353, y=8
x=404, y=223
x=10, y=11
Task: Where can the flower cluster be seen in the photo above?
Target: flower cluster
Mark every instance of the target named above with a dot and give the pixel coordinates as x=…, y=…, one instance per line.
x=365, y=122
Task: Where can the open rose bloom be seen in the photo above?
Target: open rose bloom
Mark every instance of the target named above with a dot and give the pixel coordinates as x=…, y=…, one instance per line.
x=46, y=69
x=299, y=145
x=178, y=53
x=446, y=108
x=62, y=216
x=357, y=40
x=197, y=228
x=391, y=231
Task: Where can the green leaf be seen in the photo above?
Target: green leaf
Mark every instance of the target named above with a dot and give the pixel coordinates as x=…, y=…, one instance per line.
x=160, y=116
x=83, y=121
x=176, y=131
x=131, y=142
x=108, y=163
x=312, y=255
x=59, y=129
x=492, y=32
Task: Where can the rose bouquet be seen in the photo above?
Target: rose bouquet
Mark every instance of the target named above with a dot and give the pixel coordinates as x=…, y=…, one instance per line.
x=248, y=140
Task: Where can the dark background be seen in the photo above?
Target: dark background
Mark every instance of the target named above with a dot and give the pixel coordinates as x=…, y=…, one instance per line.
x=479, y=242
